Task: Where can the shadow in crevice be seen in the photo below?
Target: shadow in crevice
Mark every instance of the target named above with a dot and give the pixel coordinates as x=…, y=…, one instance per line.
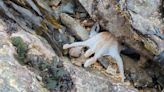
x=161, y=9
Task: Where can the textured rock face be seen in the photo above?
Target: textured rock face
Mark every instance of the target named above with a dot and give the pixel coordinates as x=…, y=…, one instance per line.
x=17, y=78
x=36, y=44
x=145, y=15
x=37, y=55
x=146, y=18
x=145, y=8
x=81, y=33
x=85, y=81
x=13, y=76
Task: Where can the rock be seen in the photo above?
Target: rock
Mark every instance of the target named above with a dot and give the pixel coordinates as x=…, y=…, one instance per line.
x=160, y=80
x=104, y=62
x=53, y=74
x=89, y=82
x=13, y=76
x=140, y=6
x=136, y=73
x=146, y=18
x=32, y=4
x=42, y=60
x=58, y=75
x=111, y=66
x=87, y=5
x=7, y=50
x=44, y=4
x=149, y=90
x=60, y=6
x=104, y=12
x=36, y=44
x=68, y=7
x=149, y=22
x=144, y=21
x=80, y=80
x=54, y=3
x=27, y=14
x=112, y=18
x=80, y=8
x=75, y=26
x=112, y=71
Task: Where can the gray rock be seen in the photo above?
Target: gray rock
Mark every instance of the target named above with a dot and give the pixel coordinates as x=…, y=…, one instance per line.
x=27, y=14
x=76, y=28
x=105, y=13
x=83, y=80
x=88, y=82
x=146, y=19
x=30, y=2
x=17, y=78
x=44, y=4
x=135, y=73
x=104, y=62
x=145, y=8
x=36, y=44
x=13, y=76
x=67, y=8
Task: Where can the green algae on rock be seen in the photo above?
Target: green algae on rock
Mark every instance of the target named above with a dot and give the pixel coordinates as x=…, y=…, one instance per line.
x=21, y=48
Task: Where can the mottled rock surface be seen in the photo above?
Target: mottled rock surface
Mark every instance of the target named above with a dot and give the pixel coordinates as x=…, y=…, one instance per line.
x=13, y=76
x=57, y=74
x=89, y=82
x=146, y=19
x=79, y=31
x=28, y=62
x=36, y=44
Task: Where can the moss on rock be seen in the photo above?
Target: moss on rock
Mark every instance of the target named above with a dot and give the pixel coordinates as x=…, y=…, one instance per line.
x=53, y=74
x=21, y=48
